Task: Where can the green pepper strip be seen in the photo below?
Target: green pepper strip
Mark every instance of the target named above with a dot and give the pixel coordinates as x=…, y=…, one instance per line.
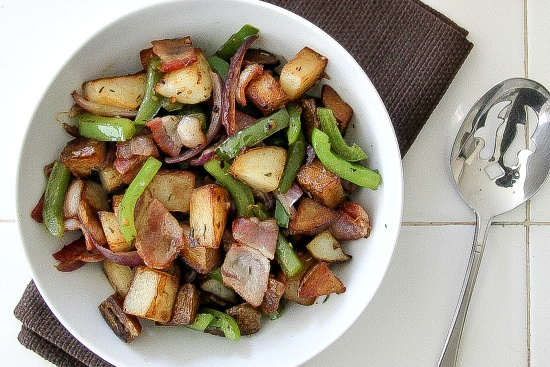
x=132, y=194
x=151, y=102
x=352, y=172
x=54, y=198
x=329, y=125
x=105, y=128
x=282, y=217
x=295, y=157
x=295, y=124
x=241, y=194
x=234, y=42
x=287, y=257
x=202, y=320
x=219, y=65
x=253, y=134
x=223, y=321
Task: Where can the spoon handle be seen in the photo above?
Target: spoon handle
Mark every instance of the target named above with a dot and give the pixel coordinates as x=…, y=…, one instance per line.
x=450, y=352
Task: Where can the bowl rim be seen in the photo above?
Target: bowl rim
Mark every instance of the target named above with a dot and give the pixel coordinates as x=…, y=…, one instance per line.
x=20, y=214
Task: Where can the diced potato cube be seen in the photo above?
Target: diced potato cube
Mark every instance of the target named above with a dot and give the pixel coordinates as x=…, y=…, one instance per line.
x=342, y=111
x=209, y=207
x=191, y=84
x=266, y=93
x=124, y=91
x=261, y=167
x=110, y=179
x=120, y=276
x=111, y=228
x=83, y=156
x=326, y=248
x=323, y=185
x=186, y=306
x=200, y=258
x=311, y=218
x=151, y=295
x=173, y=189
x=302, y=72
x=319, y=280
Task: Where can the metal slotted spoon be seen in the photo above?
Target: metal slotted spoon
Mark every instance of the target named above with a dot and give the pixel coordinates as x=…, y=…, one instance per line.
x=500, y=158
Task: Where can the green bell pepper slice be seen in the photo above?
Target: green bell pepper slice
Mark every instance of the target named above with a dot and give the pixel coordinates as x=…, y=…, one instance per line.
x=132, y=194
x=352, y=172
x=234, y=42
x=224, y=322
x=151, y=102
x=54, y=198
x=253, y=134
x=241, y=193
x=329, y=126
x=287, y=258
x=103, y=128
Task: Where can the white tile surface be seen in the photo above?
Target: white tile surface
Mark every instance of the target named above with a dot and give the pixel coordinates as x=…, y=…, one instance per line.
x=406, y=324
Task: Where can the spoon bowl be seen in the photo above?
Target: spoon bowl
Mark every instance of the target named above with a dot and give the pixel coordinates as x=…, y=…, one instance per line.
x=500, y=159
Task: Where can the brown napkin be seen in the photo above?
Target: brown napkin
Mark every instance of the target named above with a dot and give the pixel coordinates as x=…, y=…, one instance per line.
x=410, y=52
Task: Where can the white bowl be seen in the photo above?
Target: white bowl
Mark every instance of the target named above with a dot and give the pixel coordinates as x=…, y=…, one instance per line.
x=302, y=332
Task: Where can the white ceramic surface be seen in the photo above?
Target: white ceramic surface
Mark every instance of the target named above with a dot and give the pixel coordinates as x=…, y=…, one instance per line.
x=406, y=322
x=302, y=332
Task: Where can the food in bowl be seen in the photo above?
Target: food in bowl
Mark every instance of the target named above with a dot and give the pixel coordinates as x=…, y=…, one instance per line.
x=190, y=179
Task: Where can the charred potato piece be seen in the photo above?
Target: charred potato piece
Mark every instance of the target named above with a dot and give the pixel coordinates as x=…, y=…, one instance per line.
x=341, y=110
x=319, y=280
x=261, y=167
x=292, y=284
x=259, y=56
x=120, y=276
x=124, y=91
x=247, y=317
x=326, y=248
x=186, y=305
x=352, y=223
x=209, y=207
x=302, y=72
x=323, y=185
x=219, y=289
x=190, y=84
x=272, y=297
x=173, y=189
x=311, y=218
x=126, y=327
x=89, y=220
x=265, y=92
x=151, y=295
x=84, y=156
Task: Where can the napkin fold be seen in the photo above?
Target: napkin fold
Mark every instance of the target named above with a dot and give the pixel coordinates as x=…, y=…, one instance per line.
x=410, y=52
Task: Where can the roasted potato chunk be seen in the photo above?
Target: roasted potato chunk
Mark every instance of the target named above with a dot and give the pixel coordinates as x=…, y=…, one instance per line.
x=173, y=189
x=323, y=185
x=186, y=305
x=120, y=91
x=319, y=280
x=111, y=228
x=302, y=72
x=265, y=92
x=151, y=295
x=190, y=84
x=201, y=259
x=110, y=179
x=261, y=167
x=311, y=218
x=126, y=327
x=326, y=248
x=84, y=156
x=120, y=276
x=209, y=207
x=247, y=317
x=341, y=110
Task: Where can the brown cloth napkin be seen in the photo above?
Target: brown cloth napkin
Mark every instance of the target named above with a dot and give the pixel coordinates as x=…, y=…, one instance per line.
x=410, y=52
